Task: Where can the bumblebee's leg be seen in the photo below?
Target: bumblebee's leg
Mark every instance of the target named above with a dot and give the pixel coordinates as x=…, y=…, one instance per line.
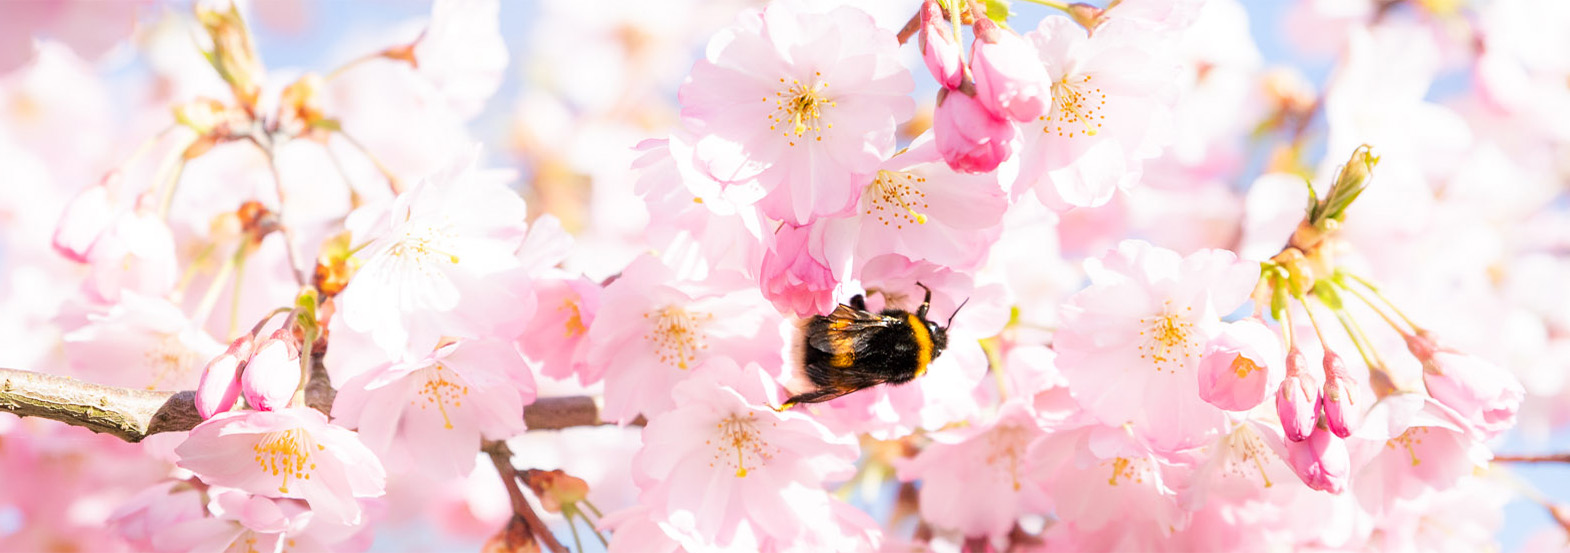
x=816, y=396
x=926, y=301
x=858, y=302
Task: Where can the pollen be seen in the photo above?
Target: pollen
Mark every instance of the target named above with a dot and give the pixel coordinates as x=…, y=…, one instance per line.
x=1409, y=440
x=286, y=454
x=169, y=359
x=1005, y=447
x=739, y=444
x=424, y=247
x=799, y=109
x=1243, y=366
x=440, y=391
x=1128, y=469
x=574, y=324
x=677, y=335
x=1168, y=340
x=896, y=199
x=1076, y=107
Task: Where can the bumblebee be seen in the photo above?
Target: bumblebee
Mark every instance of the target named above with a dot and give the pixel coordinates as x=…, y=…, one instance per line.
x=852, y=349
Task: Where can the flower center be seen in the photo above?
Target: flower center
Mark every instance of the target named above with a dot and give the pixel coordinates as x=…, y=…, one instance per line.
x=1246, y=452
x=895, y=197
x=1243, y=366
x=169, y=358
x=1007, y=444
x=1409, y=440
x=439, y=391
x=574, y=322
x=677, y=336
x=422, y=245
x=1127, y=469
x=740, y=444
x=1077, y=104
x=286, y=453
x=799, y=108
x=1169, y=340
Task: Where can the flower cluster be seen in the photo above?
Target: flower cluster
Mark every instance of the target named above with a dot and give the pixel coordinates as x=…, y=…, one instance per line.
x=839, y=284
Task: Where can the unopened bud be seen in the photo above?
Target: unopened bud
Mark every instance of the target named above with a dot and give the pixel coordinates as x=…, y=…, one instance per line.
x=1086, y=15
x=1478, y=390
x=300, y=103
x=1297, y=401
x=1351, y=182
x=273, y=375
x=556, y=488
x=938, y=49
x=1341, y=415
x=234, y=54
x=969, y=137
x=219, y=387
x=1011, y=81
x=1321, y=462
x=516, y=537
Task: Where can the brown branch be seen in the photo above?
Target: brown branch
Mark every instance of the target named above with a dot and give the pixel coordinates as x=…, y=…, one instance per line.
x=131, y=414
x=501, y=456
x=1552, y=458
x=910, y=28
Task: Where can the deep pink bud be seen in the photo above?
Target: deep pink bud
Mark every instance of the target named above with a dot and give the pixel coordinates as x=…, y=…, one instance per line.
x=792, y=277
x=1485, y=394
x=970, y=138
x=938, y=48
x=220, y=383
x=1322, y=461
x=1341, y=415
x=1298, y=398
x=270, y=379
x=1011, y=81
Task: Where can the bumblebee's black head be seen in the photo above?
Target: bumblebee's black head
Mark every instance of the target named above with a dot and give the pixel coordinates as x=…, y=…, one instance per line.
x=940, y=337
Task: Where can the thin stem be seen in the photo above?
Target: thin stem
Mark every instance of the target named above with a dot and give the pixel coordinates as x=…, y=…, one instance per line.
x=592, y=508
x=1375, y=308
x=340, y=70
x=995, y=366
x=576, y=541
x=257, y=328
x=1312, y=320
x=1391, y=304
x=145, y=146
x=1550, y=458
x=166, y=196
x=501, y=457
x=1055, y=4
x=288, y=236
x=190, y=271
x=1287, y=330
x=1369, y=355
x=234, y=299
x=954, y=19
x=210, y=299
x=392, y=180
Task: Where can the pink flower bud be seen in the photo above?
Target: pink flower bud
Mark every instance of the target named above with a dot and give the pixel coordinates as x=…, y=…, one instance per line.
x=270, y=379
x=792, y=277
x=1322, y=461
x=84, y=220
x=220, y=383
x=970, y=138
x=938, y=48
x=1011, y=81
x=1338, y=406
x=1298, y=398
x=1242, y=364
x=1486, y=395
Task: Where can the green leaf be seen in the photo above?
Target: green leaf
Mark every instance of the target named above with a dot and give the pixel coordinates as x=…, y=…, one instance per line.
x=997, y=11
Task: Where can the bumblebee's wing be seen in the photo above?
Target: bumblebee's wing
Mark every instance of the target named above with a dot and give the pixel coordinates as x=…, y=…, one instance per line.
x=846, y=329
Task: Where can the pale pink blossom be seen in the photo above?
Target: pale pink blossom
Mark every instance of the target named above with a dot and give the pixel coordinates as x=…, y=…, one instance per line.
x=555, y=341
x=1243, y=365
x=1408, y=446
x=1111, y=109
x=687, y=204
x=242, y=520
x=1097, y=475
x=979, y=480
x=654, y=329
x=462, y=53
x=135, y=252
x=729, y=467
x=143, y=517
x=442, y=263
x=287, y=453
x=140, y=342
x=802, y=102
x=971, y=138
x=1131, y=343
x=1010, y=79
x=919, y=208
x=85, y=219
x=429, y=414
x=1486, y=395
x=89, y=28
x=273, y=372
